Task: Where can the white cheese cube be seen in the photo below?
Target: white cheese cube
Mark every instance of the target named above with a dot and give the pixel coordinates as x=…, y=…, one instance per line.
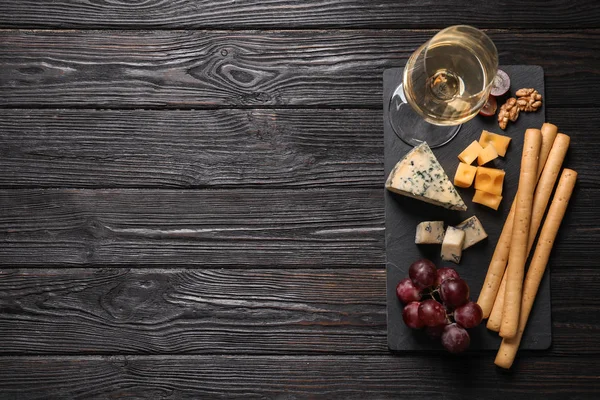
x=474, y=232
x=430, y=232
x=453, y=244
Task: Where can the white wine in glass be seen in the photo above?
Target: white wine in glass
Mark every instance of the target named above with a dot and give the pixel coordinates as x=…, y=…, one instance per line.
x=445, y=83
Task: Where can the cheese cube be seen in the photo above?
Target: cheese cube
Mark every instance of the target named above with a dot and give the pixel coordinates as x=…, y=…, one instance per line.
x=430, y=232
x=465, y=174
x=486, y=155
x=474, y=232
x=489, y=180
x=453, y=244
x=500, y=142
x=487, y=199
x=470, y=154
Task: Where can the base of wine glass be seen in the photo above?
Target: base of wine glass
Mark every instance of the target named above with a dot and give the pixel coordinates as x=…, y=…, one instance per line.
x=411, y=128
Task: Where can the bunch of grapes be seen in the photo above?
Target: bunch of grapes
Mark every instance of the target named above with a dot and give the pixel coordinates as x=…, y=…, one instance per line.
x=438, y=300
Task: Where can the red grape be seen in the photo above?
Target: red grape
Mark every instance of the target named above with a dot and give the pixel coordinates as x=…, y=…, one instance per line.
x=468, y=315
x=445, y=273
x=500, y=84
x=454, y=292
x=490, y=107
x=455, y=338
x=422, y=273
x=432, y=313
x=435, y=332
x=410, y=315
x=407, y=292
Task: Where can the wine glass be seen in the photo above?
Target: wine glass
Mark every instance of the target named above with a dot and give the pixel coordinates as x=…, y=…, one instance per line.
x=445, y=82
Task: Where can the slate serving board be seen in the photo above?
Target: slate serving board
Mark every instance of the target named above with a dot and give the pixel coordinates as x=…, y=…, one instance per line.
x=402, y=214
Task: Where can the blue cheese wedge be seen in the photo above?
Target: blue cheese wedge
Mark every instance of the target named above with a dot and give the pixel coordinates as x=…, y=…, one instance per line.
x=452, y=246
x=474, y=232
x=430, y=232
x=419, y=175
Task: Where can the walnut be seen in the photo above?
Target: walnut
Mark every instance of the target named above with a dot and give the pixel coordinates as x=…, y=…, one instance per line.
x=528, y=99
x=508, y=111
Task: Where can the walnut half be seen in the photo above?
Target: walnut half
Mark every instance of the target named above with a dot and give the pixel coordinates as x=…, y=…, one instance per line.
x=508, y=111
x=529, y=99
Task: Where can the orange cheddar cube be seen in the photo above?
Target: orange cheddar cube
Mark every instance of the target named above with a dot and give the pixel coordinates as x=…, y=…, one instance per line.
x=487, y=199
x=470, y=154
x=486, y=155
x=465, y=174
x=489, y=180
x=500, y=142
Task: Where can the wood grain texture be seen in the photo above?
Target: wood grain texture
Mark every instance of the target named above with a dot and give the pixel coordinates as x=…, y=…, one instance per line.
x=281, y=148
x=174, y=311
x=238, y=227
x=285, y=377
x=185, y=311
x=575, y=323
x=264, y=277
x=209, y=228
x=191, y=149
x=196, y=69
x=294, y=14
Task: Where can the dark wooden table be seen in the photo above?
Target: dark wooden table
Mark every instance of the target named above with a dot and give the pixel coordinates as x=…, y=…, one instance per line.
x=191, y=200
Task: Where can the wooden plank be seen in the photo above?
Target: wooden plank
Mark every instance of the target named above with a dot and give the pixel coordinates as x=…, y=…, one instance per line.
x=207, y=148
x=279, y=377
x=175, y=311
x=196, y=69
x=185, y=311
x=237, y=227
x=232, y=228
x=282, y=148
x=575, y=323
x=293, y=14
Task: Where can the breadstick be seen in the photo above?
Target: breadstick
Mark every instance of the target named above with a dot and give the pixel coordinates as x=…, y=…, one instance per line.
x=495, y=319
x=518, y=245
x=508, y=348
x=549, y=132
x=543, y=190
x=490, y=289
x=497, y=266
x=540, y=202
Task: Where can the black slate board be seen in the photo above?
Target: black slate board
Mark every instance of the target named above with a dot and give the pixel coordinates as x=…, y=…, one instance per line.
x=402, y=214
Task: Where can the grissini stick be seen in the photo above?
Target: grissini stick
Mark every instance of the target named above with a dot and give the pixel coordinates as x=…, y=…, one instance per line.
x=546, y=183
x=517, y=257
x=508, y=347
x=495, y=320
